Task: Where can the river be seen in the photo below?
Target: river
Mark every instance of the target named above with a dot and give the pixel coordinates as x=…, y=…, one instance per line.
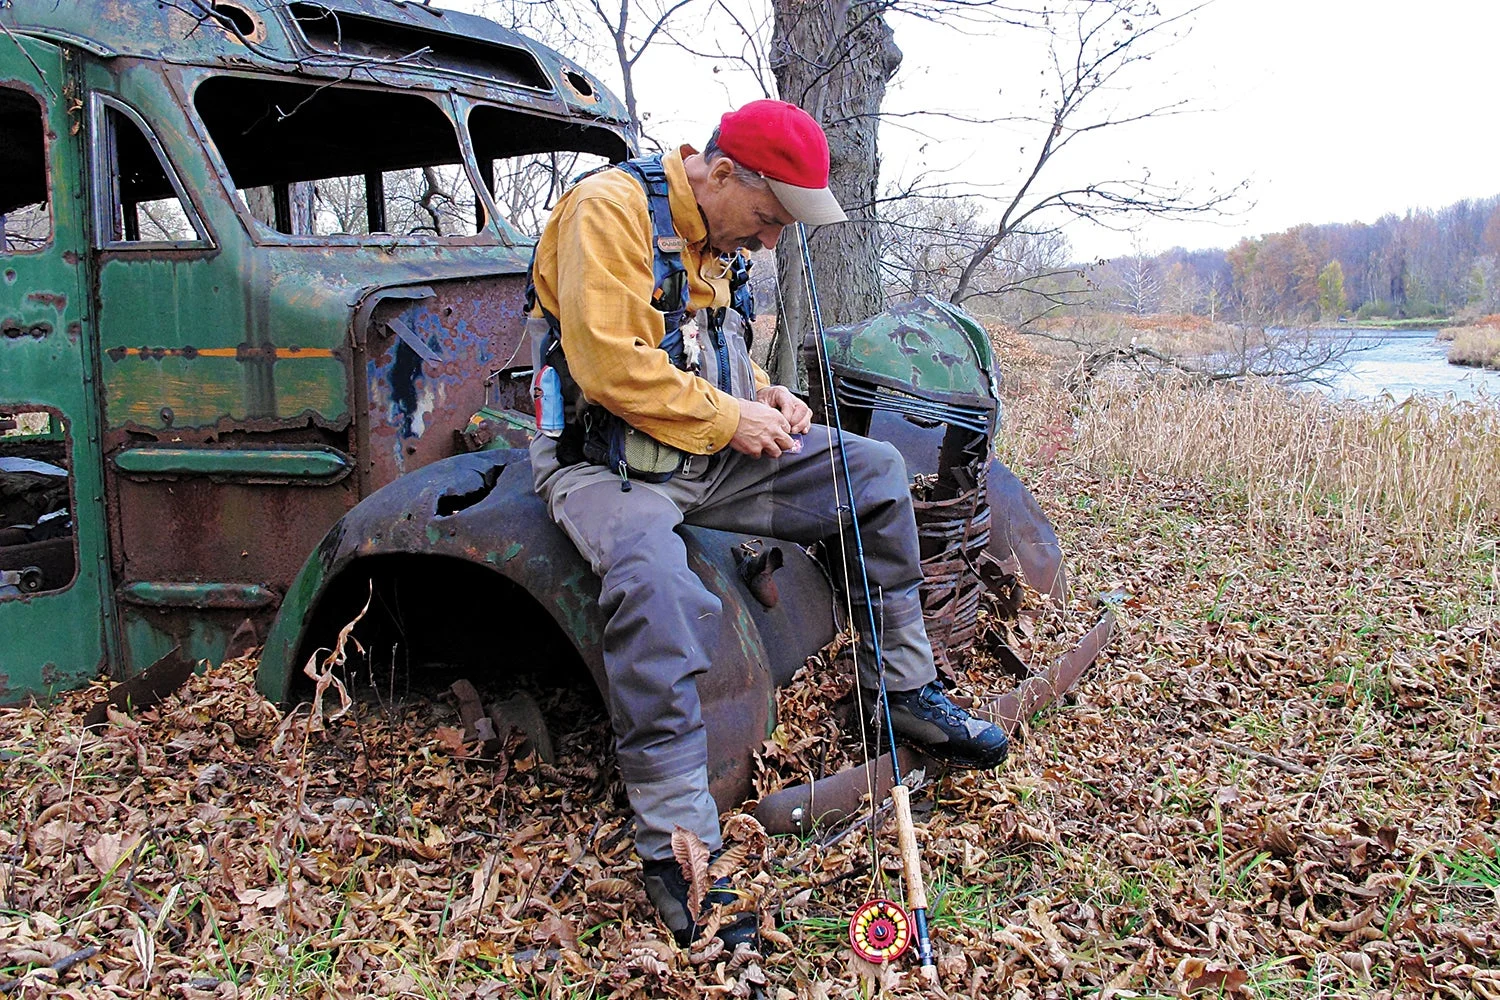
x=1406, y=363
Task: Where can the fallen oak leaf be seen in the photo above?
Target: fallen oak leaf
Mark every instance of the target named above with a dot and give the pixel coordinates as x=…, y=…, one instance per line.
x=1225, y=981
x=692, y=856
x=50, y=839
x=611, y=890
x=1358, y=963
x=452, y=740
x=769, y=932
x=262, y=899
x=458, y=949
x=746, y=829
x=647, y=961
x=1197, y=974
x=707, y=950
x=729, y=862
x=1360, y=920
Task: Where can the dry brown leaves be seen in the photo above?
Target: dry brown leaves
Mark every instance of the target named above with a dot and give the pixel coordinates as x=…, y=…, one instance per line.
x=1281, y=780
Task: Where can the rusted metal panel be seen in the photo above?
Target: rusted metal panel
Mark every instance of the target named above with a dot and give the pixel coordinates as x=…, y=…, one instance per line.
x=59, y=635
x=421, y=394
x=196, y=529
x=257, y=465
x=110, y=28
x=174, y=594
x=255, y=33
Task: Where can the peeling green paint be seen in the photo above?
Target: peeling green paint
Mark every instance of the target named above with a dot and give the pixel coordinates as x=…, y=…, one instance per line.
x=576, y=596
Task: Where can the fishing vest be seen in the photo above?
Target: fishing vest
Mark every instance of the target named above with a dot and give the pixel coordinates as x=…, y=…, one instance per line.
x=718, y=352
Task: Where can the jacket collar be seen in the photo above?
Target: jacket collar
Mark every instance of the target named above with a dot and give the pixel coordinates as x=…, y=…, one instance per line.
x=686, y=217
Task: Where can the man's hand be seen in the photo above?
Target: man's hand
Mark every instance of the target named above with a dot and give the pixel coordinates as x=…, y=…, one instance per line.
x=797, y=413
x=763, y=431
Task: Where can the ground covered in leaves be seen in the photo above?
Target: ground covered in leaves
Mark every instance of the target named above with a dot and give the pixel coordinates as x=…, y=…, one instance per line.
x=1281, y=779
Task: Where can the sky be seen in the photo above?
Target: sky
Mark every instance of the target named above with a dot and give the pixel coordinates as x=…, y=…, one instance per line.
x=1326, y=110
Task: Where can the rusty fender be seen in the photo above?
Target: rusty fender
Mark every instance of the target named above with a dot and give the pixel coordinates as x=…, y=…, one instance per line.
x=481, y=509
x=829, y=800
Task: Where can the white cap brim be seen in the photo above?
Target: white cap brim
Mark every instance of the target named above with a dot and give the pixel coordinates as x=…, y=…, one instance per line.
x=811, y=206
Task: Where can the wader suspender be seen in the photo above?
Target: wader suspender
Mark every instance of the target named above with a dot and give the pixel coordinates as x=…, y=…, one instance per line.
x=590, y=432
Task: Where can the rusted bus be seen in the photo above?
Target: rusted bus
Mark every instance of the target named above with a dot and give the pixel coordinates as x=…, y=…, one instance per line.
x=185, y=291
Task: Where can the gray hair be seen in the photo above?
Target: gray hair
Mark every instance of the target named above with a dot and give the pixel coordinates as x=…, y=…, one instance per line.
x=742, y=173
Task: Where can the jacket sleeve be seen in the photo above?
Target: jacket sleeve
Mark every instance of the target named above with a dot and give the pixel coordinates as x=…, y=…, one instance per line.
x=611, y=332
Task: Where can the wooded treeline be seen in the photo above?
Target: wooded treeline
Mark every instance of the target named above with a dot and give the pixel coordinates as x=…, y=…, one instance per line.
x=1425, y=263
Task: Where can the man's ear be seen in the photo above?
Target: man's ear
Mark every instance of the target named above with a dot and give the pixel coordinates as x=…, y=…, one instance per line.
x=721, y=171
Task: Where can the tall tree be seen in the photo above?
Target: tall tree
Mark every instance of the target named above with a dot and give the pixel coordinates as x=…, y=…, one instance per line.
x=630, y=45
x=1093, y=45
x=1331, y=298
x=834, y=60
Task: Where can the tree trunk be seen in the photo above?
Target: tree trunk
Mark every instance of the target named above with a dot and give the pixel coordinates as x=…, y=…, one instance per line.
x=834, y=61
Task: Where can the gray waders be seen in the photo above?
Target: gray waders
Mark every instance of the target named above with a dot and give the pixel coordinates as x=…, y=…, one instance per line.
x=660, y=616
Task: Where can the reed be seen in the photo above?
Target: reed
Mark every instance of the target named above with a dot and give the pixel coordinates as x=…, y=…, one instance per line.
x=1477, y=345
x=1426, y=471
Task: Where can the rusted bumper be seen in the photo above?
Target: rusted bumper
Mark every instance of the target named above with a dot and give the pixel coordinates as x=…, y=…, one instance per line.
x=830, y=800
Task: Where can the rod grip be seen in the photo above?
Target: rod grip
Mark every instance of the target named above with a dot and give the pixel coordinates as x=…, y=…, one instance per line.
x=911, y=859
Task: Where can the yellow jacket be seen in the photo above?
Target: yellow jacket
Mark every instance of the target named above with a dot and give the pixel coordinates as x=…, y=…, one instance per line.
x=593, y=271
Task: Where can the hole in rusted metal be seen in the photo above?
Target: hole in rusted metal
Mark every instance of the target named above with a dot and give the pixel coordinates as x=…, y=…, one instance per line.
x=235, y=18
x=579, y=83
x=433, y=620
x=451, y=503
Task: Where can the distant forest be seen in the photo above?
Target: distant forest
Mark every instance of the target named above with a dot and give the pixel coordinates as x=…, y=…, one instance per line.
x=1424, y=264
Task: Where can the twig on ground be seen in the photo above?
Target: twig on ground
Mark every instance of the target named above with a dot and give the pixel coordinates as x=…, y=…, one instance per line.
x=60, y=966
x=583, y=849
x=1264, y=758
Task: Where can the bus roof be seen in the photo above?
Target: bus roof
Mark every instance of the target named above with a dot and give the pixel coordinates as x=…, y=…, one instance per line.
x=355, y=40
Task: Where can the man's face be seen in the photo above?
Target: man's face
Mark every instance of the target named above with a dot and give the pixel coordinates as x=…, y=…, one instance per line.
x=740, y=217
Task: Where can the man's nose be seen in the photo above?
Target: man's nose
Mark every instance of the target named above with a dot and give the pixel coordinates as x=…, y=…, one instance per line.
x=770, y=235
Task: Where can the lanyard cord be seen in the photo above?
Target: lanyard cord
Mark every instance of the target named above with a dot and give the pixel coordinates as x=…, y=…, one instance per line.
x=916, y=891
x=859, y=699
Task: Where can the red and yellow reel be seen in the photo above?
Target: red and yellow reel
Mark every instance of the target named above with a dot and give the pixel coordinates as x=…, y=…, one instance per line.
x=880, y=931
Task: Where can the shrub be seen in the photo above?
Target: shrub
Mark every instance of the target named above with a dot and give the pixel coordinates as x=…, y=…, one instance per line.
x=1475, y=345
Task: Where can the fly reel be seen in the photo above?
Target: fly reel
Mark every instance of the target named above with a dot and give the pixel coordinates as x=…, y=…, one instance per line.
x=880, y=931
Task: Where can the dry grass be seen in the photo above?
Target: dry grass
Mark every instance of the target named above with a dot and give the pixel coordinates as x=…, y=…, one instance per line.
x=1280, y=781
x=1421, y=471
x=1477, y=345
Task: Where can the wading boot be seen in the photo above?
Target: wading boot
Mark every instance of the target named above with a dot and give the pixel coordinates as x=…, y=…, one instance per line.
x=668, y=890
x=926, y=719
